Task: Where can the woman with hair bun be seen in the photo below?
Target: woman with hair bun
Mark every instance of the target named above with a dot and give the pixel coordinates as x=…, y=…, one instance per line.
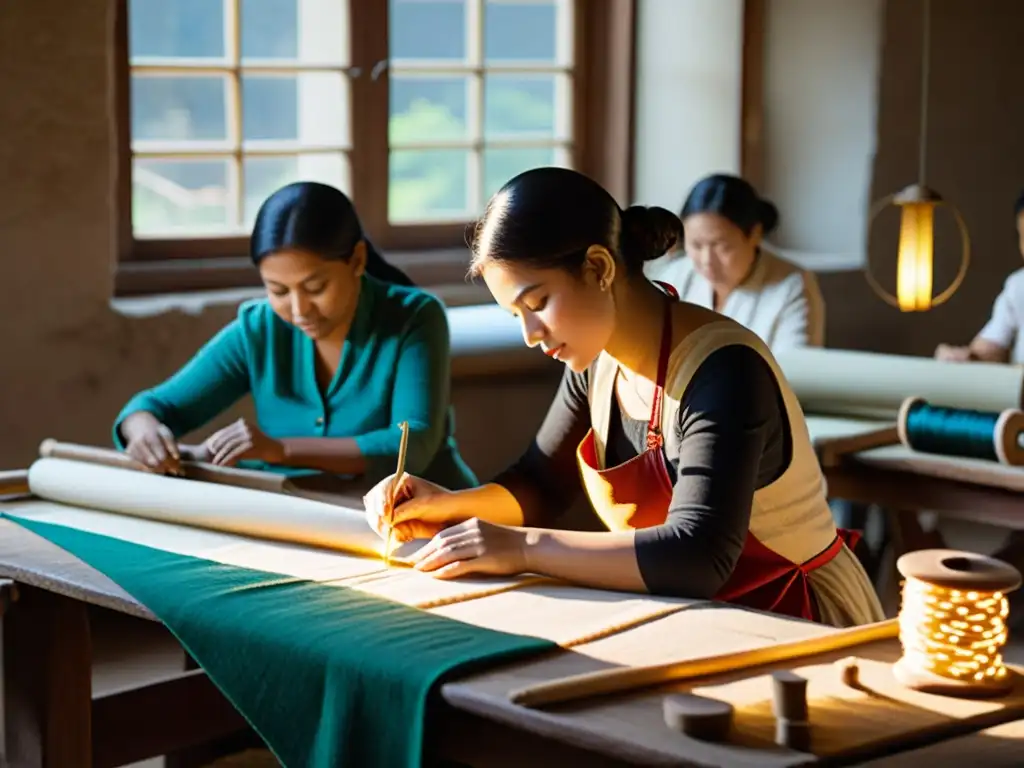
x=675, y=421
x=340, y=351
x=726, y=267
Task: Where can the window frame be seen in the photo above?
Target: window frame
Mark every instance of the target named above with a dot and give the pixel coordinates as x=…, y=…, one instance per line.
x=432, y=254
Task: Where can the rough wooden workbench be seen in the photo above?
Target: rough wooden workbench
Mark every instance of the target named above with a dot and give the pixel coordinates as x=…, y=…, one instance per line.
x=53, y=712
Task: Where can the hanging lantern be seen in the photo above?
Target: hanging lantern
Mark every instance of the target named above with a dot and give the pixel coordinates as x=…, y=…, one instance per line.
x=916, y=249
x=918, y=204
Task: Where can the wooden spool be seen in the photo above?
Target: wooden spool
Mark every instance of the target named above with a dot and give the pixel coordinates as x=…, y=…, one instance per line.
x=697, y=716
x=966, y=573
x=1007, y=438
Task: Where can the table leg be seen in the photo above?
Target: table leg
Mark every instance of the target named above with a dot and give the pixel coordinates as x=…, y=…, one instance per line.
x=8, y=594
x=47, y=670
x=205, y=754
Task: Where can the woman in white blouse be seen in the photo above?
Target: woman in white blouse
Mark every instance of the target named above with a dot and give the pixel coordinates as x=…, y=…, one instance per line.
x=1001, y=339
x=726, y=268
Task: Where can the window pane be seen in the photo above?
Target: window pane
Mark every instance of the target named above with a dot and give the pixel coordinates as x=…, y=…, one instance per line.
x=310, y=31
x=427, y=109
x=181, y=197
x=176, y=29
x=309, y=108
x=270, y=29
x=526, y=106
x=270, y=107
x=428, y=184
x=179, y=108
x=427, y=29
x=265, y=175
x=520, y=31
x=501, y=165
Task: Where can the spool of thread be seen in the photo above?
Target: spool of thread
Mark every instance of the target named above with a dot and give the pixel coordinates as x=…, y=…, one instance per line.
x=953, y=623
x=962, y=432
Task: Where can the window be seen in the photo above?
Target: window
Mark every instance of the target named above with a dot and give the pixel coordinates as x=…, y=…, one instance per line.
x=479, y=91
x=418, y=109
x=228, y=102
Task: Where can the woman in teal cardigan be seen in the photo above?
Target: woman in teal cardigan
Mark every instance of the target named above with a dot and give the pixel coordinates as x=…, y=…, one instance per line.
x=340, y=352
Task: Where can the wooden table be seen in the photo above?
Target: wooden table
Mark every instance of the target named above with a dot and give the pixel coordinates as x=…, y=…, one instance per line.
x=905, y=483
x=54, y=719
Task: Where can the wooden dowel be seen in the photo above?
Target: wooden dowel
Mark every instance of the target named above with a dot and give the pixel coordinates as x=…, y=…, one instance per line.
x=200, y=471
x=53, y=449
x=14, y=482
x=591, y=684
x=240, y=478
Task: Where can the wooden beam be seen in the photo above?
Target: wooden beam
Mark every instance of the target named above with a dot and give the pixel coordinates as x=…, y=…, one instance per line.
x=752, y=100
x=606, y=107
x=169, y=715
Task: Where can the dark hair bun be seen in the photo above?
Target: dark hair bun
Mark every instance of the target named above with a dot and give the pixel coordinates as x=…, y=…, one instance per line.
x=648, y=233
x=768, y=214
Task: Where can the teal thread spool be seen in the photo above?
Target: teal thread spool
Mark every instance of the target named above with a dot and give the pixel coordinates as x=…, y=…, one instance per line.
x=960, y=432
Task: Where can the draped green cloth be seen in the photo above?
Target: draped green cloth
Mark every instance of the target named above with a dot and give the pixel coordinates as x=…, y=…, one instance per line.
x=328, y=676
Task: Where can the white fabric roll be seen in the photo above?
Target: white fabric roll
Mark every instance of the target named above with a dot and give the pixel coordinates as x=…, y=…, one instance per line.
x=867, y=385
x=242, y=511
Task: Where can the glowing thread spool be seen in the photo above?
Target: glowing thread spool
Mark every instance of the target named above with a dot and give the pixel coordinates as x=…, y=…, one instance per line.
x=962, y=432
x=953, y=623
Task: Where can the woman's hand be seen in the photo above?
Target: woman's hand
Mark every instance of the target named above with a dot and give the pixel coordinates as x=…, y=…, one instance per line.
x=951, y=354
x=472, y=547
x=151, y=444
x=421, y=508
x=242, y=440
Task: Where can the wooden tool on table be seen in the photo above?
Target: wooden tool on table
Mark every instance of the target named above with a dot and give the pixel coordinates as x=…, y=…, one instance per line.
x=194, y=470
x=617, y=680
x=393, y=488
x=14, y=482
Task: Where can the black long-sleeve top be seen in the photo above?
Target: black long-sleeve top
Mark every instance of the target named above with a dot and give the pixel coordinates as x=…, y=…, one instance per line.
x=733, y=438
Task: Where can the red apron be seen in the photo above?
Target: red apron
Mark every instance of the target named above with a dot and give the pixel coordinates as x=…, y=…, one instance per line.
x=637, y=494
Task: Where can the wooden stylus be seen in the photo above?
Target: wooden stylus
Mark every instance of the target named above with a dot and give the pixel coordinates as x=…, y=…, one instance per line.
x=393, y=489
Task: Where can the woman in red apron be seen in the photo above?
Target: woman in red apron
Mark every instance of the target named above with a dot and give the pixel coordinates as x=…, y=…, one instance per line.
x=674, y=421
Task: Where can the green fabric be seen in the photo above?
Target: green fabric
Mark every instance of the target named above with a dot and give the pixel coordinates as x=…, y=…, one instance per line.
x=395, y=366
x=328, y=676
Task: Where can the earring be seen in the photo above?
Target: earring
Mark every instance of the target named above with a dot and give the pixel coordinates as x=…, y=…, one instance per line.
x=603, y=285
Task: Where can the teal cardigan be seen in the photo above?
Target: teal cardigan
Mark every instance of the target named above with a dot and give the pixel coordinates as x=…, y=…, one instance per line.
x=395, y=366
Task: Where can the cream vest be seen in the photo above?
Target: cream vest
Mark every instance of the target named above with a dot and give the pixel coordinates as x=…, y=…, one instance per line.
x=791, y=515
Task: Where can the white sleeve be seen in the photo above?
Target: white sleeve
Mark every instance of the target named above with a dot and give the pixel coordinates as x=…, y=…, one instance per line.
x=801, y=322
x=1001, y=329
